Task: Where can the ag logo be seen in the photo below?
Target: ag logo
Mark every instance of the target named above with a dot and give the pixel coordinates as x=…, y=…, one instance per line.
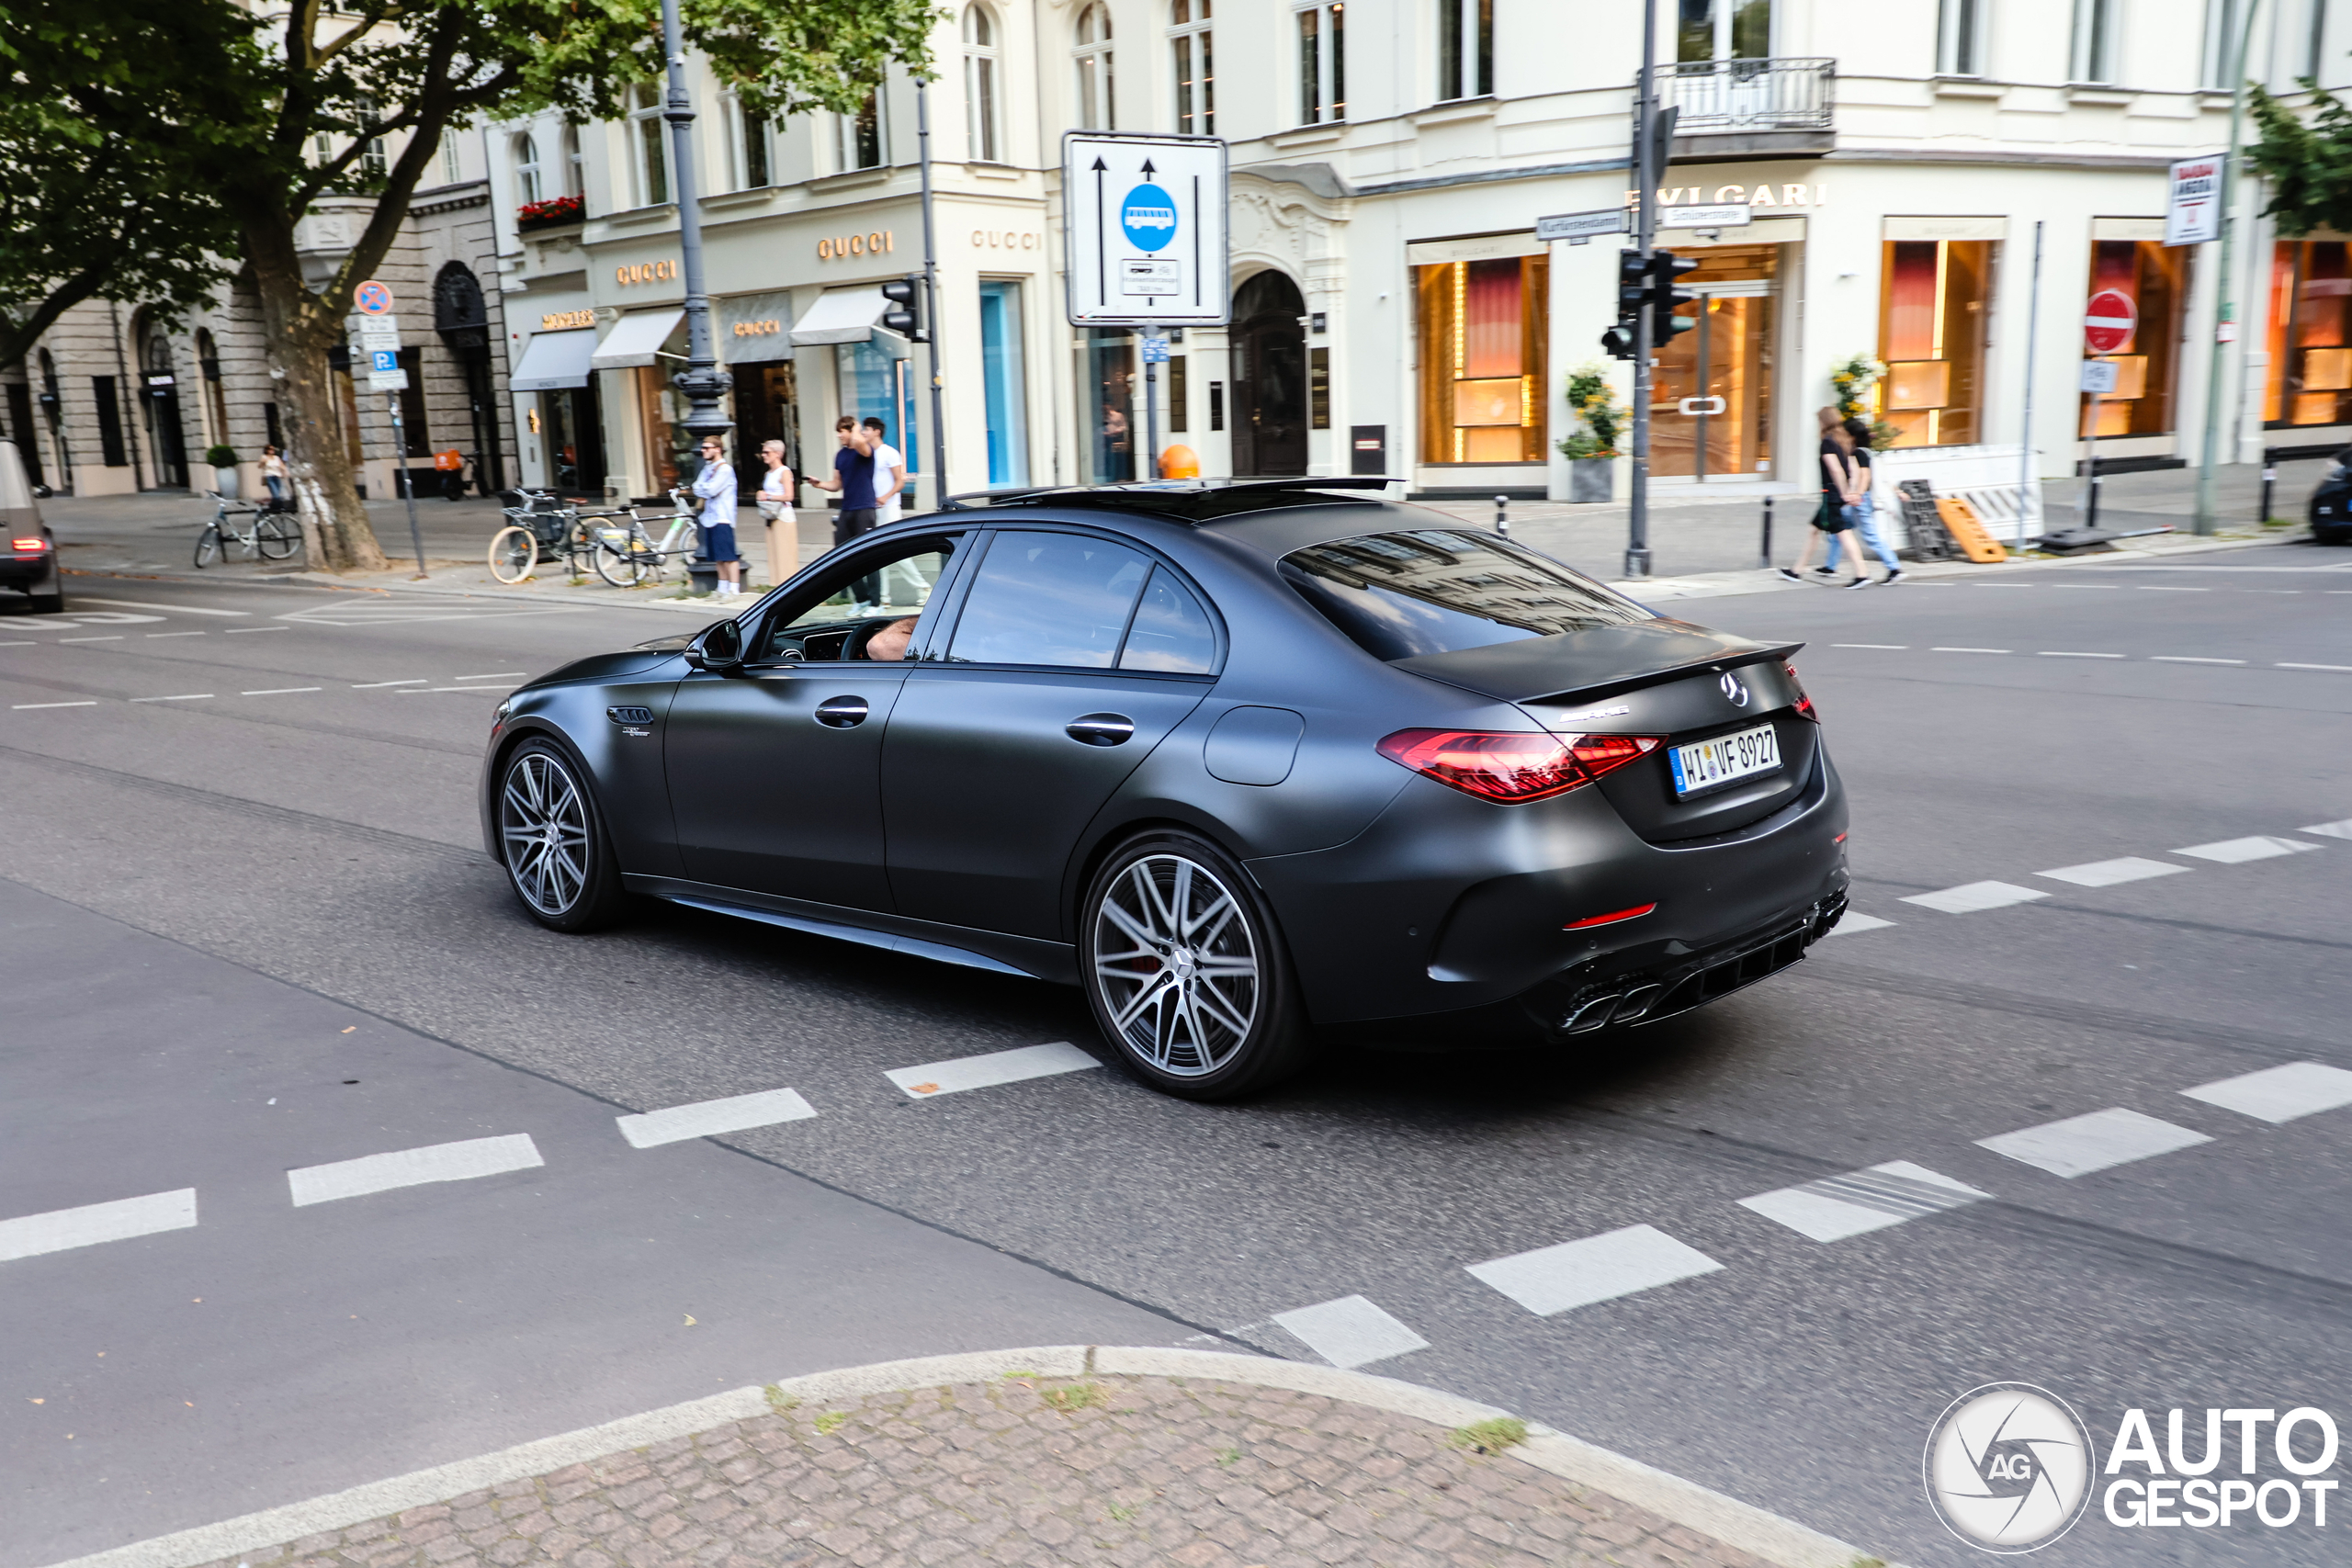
x=1733, y=693
x=2008, y=1468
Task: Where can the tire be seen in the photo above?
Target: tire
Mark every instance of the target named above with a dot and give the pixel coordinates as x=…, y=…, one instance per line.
x=208, y=547
x=620, y=565
x=1186, y=972
x=551, y=837
x=277, y=538
x=48, y=604
x=514, y=552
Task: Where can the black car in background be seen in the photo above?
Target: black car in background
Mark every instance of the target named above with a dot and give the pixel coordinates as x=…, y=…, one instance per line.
x=2331, y=504
x=1252, y=762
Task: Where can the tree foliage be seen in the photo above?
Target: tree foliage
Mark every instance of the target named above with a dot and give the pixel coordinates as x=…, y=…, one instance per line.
x=2308, y=162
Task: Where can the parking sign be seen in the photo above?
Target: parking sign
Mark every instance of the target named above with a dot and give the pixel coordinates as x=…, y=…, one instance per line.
x=1144, y=230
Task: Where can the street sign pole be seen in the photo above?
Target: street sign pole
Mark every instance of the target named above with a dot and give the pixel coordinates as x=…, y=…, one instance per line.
x=1152, y=342
x=1646, y=178
x=2110, y=320
x=2225, y=307
x=408, y=485
x=930, y=302
x=2026, y=487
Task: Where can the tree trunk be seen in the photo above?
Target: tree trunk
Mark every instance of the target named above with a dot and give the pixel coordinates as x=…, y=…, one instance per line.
x=298, y=332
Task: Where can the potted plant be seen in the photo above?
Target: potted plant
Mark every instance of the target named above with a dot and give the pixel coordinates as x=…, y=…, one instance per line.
x=555, y=211
x=223, y=459
x=1855, y=380
x=1591, y=447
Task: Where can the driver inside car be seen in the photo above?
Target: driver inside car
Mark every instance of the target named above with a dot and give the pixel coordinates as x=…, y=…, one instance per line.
x=889, y=644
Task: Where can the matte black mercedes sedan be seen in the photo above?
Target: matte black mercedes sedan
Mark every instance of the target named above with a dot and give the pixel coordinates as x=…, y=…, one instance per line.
x=1254, y=764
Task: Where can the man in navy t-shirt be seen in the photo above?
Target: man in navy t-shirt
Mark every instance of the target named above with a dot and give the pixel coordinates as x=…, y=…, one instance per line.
x=853, y=478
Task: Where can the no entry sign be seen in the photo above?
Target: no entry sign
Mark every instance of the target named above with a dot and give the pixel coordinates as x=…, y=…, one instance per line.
x=2109, y=321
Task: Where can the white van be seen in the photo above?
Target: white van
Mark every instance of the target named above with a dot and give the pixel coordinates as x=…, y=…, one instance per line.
x=29, y=563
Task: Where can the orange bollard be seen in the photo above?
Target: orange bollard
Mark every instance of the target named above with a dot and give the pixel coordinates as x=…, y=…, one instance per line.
x=1180, y=462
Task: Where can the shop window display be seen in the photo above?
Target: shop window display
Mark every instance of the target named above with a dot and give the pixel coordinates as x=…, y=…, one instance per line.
x=2311, y=348
x=1711, y=405
x=1932, y=302
x=1482, y=334
x=2155, y=278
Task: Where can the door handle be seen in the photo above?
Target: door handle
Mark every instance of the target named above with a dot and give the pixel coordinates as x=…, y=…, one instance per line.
x=842, y=712
x=1703, y=405
x=1101, y=729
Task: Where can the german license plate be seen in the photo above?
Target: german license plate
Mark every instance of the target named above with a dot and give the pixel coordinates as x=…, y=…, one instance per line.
x=1703, y=764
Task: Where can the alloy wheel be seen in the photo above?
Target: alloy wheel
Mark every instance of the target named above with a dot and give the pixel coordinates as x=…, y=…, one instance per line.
x=1176, y=965
x=543, y=821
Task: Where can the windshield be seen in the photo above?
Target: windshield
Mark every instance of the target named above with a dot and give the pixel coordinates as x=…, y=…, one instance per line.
x=1436, y=590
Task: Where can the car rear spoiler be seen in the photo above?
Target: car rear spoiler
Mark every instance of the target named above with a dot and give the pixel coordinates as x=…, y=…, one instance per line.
x=1598, y=662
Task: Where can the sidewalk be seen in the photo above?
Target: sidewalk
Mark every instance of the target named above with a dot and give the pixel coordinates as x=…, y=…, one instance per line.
x=1057, y=1455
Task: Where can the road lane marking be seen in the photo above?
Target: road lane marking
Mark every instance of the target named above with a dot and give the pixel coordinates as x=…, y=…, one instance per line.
x=421, y=690
x=152, y=636
x=2186, y=659
x=2330, y=829
x=277, y=692
x=2112, y=873
x=117, y=637
x=2279, y=1094
x=2100, y=1141
x=413, y=1167
x=1596, y=1268
x=1838, y=1206
x=494, y=675
x=2237, y=851
x=2056, y=653
x=234, y=631
x=1349, y=1332
x=1855, y=920
x=708, y=1118
x=61, y=1229
x=183, y=697
x=1971, y=896
x=169, y=609
x=32, y=643
x=1967, y=650
x=20, y=707
x=1889, y=647
x=988, y=1071
x=2167, y=588
x=2339, y=669
x=372, y=685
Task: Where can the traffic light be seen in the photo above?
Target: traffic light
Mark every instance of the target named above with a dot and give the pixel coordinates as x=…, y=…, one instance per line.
x=905, y=314
x=1633, y=297
x=1664, y=268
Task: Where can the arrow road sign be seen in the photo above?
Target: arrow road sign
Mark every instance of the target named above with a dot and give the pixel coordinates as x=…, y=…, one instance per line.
x=2109, y=320
x=1143, y=230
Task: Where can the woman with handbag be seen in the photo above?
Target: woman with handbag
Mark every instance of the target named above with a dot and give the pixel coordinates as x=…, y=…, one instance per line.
x=1829, y=517
x=775, y=500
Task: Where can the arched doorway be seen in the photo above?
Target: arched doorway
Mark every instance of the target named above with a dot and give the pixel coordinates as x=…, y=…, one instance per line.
x=1269, y=343
x=462, y=317
x=163, y=401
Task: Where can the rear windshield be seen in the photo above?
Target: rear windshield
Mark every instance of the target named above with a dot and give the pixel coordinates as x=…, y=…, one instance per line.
x=1436, y=590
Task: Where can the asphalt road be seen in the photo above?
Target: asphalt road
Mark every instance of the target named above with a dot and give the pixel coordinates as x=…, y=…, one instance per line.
x=274, y=887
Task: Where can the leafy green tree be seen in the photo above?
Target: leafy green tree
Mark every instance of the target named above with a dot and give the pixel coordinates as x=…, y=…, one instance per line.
x=2308, y=162
x=100, y=141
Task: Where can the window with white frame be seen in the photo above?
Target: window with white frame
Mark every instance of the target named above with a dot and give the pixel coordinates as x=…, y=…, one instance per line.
x=529, y=179
x=1097, y=100
x=575, y=175
x=861, y=141
x=373, y=162
x=983, y=126
x=1322, y=63
x=1723, y=30
x=453, y=166
x=1960, y=39
x=649, y=158
x=2094, y=55
x=1189, y=41
x=1465, y=49
x=747, y=146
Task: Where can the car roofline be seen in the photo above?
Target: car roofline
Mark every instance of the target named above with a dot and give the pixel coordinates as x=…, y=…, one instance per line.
x=1183, y=500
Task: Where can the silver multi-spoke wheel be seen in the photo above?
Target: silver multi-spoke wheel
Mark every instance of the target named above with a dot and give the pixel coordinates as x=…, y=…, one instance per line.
x=1176, y=965
x=543, y=820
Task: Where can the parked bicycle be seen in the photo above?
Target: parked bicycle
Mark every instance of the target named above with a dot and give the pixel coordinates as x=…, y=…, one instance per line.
x=636, y=557
x=262, y=529
x=543, y=527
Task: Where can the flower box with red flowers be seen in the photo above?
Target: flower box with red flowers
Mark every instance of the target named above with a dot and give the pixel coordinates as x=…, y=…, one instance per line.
x=554, y=212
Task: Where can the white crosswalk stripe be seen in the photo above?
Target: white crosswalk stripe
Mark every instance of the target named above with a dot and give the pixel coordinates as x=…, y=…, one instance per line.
x=1838, y=1206
x=2330, y=829
x=1854, y=920
x=2112, y=873
x=989, y=1070
x=2236, y=851
x=30, y=1235
x=1349, y=1332
x=2279, y=1094
x=1598, y=1268
x=460, y=1161
x=709, y=1118
x=1971, y=896
x=2100, y=1141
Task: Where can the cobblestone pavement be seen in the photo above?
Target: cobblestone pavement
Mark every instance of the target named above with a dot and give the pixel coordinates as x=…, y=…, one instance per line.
x=1033, y=1471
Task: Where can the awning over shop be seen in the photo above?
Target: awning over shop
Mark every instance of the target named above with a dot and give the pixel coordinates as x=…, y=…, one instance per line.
x=754, y=329
x=637, y=338
x=552, y=361
x=842, y=315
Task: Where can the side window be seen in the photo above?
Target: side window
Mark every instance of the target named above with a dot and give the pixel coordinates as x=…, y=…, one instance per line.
x=862, y=609
x=1049, y=599
x=1171, y=634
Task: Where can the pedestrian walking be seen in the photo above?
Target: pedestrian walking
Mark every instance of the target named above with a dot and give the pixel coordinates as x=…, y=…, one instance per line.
x=890, y=463
x=1862, y=509
x=716, y=486
x=853, y=479
x=273, y=478
x=774, y=501
x=1829, y=516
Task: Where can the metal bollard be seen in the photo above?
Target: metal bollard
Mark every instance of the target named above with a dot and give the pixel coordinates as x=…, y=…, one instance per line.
x=2270, y=478
x=1502, y=521
x=1765, y=551
x=2090, y=517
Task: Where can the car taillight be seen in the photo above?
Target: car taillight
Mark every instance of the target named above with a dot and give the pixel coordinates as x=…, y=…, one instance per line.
x=1804, y=702
x=28, y=546
x=1511, y=767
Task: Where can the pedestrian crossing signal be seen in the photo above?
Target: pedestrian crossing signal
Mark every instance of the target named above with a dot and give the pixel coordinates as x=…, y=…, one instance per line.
x=905, y=314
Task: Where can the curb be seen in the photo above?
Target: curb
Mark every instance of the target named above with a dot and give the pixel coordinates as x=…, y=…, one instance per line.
x=1767, y=1535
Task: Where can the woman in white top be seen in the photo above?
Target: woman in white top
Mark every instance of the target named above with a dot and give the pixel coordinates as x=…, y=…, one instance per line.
x=776, y=505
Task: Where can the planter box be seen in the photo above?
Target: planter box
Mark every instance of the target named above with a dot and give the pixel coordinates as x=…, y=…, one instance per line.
x=226, y=483
x=1592, y=479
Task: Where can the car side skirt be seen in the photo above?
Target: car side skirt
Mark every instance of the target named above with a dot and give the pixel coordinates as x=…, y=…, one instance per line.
x=1028, y=956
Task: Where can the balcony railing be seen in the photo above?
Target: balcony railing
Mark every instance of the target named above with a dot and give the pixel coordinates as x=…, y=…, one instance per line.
x=1720, y=97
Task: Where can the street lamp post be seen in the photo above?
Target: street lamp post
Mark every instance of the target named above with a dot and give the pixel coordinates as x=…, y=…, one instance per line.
x=1646, y=178
x=2225, y=304
x=700, y=381
x=931, y=297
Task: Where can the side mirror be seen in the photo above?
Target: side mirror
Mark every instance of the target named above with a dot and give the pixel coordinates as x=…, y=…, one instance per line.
x=721, y=649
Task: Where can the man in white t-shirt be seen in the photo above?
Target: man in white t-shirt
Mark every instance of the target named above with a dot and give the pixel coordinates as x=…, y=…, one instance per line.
x=890, y=462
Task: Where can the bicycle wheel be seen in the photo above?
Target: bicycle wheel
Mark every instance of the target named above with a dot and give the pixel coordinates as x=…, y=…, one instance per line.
x=208, y=545
x=514, y=552
x=618, y=564
x=278, y=537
